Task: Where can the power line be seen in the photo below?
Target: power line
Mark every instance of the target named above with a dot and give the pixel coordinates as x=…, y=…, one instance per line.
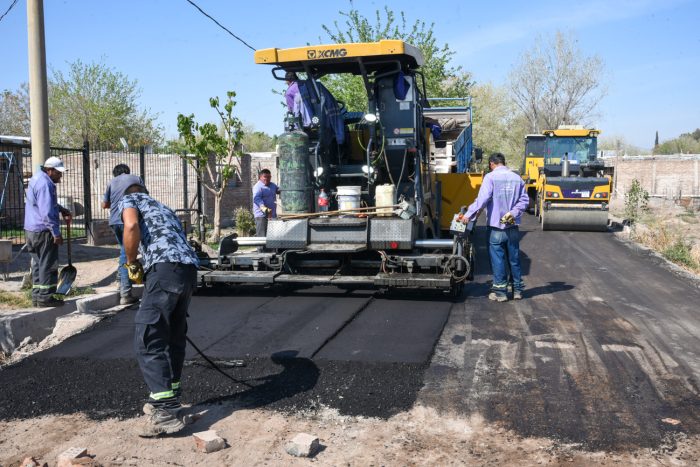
x=217, y=23
x=8, y=10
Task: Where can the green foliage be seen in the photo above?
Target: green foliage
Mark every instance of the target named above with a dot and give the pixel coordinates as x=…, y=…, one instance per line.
x=680, y=252
x=214, y=152
x=687, y=143
x=257, y=141
x=14, y=112
x=497, y=125
x=245, y=222
x=636, y=202
x=96, y=103
x=442, y=80
x=619, y=144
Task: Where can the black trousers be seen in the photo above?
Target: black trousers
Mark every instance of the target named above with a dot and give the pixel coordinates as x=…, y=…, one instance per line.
x=45, y=264
x=161, y=326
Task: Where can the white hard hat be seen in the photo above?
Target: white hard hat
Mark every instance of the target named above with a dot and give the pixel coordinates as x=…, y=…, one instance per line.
x=54, y=163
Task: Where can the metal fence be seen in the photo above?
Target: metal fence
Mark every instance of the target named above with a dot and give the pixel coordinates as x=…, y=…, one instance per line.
x=168, y=178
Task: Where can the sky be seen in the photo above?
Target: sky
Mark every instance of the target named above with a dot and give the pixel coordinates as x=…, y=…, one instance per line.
x=180, y=58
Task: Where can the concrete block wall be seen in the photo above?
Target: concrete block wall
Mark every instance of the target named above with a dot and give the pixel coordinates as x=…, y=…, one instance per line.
x=670, y=177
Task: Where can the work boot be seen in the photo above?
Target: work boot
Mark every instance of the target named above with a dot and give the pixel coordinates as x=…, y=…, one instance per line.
x=48, y=303
x=161, y=422
x=498, y=297
x=128, y=300
x=517, y=295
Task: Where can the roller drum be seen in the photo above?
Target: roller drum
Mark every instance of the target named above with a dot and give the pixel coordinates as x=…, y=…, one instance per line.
x=592, y=220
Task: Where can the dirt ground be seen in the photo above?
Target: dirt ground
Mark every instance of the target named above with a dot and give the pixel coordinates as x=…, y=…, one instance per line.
x=257, y=437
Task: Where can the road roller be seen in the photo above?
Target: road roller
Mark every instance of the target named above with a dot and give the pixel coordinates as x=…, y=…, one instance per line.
x=573, y=191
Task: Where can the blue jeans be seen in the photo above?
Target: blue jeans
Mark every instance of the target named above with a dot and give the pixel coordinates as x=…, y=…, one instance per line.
x=124, y=282
x=504, y=250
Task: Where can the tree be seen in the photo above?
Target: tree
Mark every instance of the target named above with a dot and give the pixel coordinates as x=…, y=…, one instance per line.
x=257, y=141
x=554, y=83
x=442, y=80
x=14, y=112
x=98, y=104
x=497, y=125
x=215, y=156
x=684, y=144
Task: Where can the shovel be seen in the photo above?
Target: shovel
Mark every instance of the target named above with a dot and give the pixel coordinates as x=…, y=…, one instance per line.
x=66, y=277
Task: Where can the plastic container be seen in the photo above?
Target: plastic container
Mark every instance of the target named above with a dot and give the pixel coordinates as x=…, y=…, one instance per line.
x=348, y=197
x=384, y=196
x=323, y=201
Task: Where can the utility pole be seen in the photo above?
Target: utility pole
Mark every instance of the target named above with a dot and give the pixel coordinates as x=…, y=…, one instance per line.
x=38, y=94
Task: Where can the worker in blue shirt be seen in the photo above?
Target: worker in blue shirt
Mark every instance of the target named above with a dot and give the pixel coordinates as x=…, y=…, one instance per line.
x=264, y=202
x=42, y=231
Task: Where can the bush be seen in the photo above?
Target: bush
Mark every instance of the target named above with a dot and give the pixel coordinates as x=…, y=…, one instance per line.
x=636, y=202
x=680, y=253
x=245, y=223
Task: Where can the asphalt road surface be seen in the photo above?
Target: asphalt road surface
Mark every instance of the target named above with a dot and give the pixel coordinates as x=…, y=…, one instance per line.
x=603, y=348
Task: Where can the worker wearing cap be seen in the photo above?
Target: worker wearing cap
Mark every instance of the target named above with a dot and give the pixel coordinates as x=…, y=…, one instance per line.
x=168, y=267
x=111, y=200
x=41, y=226
x=264, y=202
x=503, y=195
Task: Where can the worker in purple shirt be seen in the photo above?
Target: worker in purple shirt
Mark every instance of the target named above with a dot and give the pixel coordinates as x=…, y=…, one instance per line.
x=264, y=202
x=505, y=199
x=42, y=230
x=292, y=96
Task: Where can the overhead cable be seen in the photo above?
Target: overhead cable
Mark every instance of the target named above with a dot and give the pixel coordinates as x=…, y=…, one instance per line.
x=8, y=10
x=218, y=24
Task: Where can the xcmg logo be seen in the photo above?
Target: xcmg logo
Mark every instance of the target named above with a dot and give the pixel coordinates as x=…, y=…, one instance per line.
x=333, y=53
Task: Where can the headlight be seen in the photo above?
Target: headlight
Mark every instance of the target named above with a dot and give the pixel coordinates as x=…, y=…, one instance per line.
x=367, y=170
x=318, y=172
x=370, y=118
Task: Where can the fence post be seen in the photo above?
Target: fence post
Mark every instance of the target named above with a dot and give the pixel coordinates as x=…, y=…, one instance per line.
x=87, y=190
x=184, y=181
x=200, y=203
x=142, y=162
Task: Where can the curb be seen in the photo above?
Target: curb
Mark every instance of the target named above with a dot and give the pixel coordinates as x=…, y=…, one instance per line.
x=39, y=323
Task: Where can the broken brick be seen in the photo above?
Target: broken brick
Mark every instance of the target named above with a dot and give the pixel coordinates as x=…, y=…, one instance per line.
x=208, y=441
x=303, y=445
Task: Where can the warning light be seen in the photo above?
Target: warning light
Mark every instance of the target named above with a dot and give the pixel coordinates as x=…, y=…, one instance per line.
x=394, y=245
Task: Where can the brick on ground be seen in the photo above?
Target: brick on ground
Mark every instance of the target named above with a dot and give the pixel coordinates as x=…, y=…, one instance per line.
x=32, y=462
x=303, y=445
x=76, y=457
x=208, y=441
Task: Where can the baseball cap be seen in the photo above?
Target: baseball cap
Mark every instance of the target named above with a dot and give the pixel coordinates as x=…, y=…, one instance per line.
x=54, y=162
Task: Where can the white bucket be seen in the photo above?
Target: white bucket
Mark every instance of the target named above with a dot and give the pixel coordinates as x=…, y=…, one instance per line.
x=384, y=196
x=348, y=197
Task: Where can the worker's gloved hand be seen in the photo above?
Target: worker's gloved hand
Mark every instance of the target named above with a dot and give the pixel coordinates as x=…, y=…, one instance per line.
x=507, y=219
x=135, y=272
x=265, y=210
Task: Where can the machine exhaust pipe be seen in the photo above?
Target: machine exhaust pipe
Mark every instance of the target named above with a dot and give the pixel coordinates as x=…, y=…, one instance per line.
x=432, y=243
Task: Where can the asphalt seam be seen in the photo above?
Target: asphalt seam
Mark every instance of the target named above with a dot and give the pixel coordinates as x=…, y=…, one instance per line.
x=343, y=326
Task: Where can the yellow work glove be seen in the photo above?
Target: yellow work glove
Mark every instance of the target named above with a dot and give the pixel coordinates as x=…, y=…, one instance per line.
x=135, y=272
x=508, y=219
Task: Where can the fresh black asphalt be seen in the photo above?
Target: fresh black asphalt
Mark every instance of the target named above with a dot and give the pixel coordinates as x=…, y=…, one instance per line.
x=601, y=351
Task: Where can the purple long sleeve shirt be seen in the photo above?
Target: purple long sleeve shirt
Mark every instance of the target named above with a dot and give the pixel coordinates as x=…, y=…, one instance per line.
x=264, y=195
x=41, y=209
x=502, y=191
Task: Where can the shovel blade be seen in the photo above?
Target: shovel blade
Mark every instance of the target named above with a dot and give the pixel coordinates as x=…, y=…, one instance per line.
x=66, y=279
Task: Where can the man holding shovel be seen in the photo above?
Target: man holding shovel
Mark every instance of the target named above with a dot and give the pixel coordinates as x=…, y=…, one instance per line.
x=41, y=226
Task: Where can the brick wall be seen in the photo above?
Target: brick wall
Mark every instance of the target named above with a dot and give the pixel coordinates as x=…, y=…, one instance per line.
x=239, y=192
x=670, y=177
